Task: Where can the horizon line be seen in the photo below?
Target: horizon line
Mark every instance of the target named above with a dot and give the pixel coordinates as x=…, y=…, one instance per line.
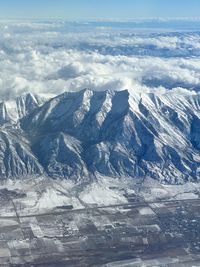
x=144, y=19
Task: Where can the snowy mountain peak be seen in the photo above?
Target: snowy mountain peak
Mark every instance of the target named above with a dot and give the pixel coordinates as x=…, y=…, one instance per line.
x=11, y=111
x=77, y=135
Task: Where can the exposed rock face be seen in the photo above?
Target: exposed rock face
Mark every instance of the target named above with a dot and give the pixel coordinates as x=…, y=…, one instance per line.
x=116, y=134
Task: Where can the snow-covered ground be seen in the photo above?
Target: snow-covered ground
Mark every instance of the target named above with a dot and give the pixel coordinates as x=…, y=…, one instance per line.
x=47, y=195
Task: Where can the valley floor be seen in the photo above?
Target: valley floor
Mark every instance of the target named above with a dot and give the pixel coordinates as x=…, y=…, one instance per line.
x=136, y=233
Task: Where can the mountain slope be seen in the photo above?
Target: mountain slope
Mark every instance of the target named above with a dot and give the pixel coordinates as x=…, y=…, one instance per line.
x=118, y=134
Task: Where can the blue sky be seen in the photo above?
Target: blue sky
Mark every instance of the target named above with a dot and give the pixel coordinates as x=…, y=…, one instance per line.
x=98, y=9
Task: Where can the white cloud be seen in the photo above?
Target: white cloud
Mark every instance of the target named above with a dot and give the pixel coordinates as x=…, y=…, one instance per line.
x=55, y=57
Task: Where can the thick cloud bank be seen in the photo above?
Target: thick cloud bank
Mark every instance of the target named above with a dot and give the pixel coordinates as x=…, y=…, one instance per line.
x=52, y=57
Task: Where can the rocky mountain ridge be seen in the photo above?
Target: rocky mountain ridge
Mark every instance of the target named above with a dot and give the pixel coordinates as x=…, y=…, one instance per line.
x=121, y=134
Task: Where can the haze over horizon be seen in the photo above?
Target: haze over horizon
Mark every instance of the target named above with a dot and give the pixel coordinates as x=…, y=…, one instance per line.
x=96, y=10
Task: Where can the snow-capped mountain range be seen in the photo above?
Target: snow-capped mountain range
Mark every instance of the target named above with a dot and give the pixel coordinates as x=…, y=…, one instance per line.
x=120, y=134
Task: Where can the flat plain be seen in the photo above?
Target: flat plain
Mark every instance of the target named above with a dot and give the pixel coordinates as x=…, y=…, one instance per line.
x=138, y=233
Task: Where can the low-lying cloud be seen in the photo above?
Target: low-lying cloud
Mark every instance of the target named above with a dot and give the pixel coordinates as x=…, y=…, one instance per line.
x=50, y=58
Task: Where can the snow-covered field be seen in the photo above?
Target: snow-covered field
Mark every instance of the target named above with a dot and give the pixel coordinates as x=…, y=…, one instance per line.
x=46, y=195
